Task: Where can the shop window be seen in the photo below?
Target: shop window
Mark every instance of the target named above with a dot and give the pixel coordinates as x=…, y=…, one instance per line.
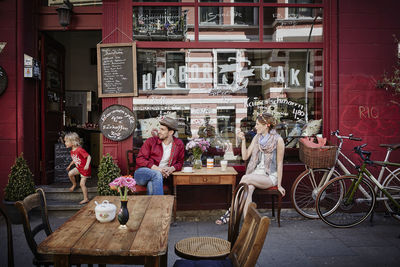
x=175, y=73
x=210, y=15
x=161, y=72
x=245, y=15
x=146, y=69
x=159, y=23
x=300, y=12
x=293, y=24
x=225, y=90
x=224, y=61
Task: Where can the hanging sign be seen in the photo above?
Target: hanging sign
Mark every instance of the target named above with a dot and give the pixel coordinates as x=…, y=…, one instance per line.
x=116, y=70
x=117, y=122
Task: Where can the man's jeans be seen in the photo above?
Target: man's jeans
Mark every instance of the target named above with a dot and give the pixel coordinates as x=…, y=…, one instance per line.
x=152, y=178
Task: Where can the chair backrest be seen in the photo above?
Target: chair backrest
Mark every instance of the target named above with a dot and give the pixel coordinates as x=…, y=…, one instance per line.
x=37, y=200
x=130, y=162
x=237, y=207
x=251, y=239
x=10, y=248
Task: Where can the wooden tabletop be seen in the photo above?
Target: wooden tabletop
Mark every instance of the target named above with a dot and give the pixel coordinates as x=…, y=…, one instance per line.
x=205, y=171
x=147, y=233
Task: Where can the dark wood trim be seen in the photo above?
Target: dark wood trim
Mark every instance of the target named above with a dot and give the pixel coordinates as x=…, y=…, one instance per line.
x=83, y=18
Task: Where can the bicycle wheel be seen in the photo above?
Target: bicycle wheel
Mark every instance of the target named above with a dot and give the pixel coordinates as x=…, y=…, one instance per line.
x=336, y=207
x=305, y=190
x=392, y=185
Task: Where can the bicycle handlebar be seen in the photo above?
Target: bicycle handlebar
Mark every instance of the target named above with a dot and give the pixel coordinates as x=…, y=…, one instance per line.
x=350, y=137
x=363, y=154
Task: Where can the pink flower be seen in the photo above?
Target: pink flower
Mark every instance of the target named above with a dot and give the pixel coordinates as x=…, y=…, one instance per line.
x=123, y=182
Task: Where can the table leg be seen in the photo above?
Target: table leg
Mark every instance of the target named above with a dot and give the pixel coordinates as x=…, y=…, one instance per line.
x=61, y=261
x=175, y=203
x=164, y=259
x=152, y=261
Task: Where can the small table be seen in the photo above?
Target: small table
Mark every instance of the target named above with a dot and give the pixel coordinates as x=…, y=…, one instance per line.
x=204, y=176
x=82, y=239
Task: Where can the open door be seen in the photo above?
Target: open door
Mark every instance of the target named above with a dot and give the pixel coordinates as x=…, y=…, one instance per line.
x=51, y=103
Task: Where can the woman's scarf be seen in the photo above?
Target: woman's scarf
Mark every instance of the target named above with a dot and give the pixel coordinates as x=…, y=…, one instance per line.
x=267, y=149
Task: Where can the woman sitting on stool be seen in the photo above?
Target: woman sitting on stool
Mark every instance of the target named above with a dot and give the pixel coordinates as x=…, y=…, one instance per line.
x=265, y=166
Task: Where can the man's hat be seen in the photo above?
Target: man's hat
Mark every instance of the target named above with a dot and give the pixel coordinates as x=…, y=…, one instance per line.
x=170, y=123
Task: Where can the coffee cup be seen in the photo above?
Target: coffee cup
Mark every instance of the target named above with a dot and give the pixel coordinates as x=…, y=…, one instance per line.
x=187, y=169
x=224, y=165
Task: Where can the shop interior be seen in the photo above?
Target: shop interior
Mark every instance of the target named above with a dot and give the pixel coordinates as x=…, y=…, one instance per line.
x=81, y=105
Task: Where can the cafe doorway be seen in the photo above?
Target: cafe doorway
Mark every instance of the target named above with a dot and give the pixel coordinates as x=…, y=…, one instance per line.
x=70, y=101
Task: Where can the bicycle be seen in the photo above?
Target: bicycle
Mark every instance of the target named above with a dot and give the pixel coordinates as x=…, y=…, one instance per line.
x=307, y=185
x=348, y=200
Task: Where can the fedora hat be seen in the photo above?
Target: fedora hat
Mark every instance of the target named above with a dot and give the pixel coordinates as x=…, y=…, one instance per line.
x=170, y=123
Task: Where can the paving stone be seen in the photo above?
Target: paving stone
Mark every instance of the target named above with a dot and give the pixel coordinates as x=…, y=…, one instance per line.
x=298, y=242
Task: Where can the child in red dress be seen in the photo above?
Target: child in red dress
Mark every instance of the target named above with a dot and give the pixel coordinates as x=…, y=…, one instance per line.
x=81, y=159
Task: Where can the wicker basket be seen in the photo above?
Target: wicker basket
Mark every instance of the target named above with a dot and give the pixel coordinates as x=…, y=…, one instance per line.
x=323, y=157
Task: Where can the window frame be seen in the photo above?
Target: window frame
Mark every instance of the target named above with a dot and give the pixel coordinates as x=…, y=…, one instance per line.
x=196, y=43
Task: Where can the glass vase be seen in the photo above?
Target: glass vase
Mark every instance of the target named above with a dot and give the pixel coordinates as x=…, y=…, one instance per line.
x=197, y=164
x=123, y=214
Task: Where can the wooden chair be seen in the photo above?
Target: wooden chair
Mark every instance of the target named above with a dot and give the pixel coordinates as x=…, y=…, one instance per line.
x=130, y=162
x=275, y=194
x=10, y=248
x=212, y=247
x=247, y=247
x=36, y=200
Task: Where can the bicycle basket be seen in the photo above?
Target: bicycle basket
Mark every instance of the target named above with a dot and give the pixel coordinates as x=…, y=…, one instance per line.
x=323, y=157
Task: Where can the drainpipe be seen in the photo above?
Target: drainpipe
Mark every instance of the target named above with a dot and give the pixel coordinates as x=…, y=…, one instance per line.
x=19, y=84
x=307, y=67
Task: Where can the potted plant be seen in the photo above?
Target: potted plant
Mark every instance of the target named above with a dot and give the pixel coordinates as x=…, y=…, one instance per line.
x=20, y=185
x=391, y=82
x=108, y=171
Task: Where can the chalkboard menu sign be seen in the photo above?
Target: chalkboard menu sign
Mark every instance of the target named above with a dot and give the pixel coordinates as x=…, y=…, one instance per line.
x=116, y=70
x=61, y=162
x=117, y=122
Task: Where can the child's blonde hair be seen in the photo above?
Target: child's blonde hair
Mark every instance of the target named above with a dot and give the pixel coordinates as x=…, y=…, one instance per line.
x=74, y=138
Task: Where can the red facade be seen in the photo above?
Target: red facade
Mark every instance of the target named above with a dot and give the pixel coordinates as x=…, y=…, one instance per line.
x=358, y=47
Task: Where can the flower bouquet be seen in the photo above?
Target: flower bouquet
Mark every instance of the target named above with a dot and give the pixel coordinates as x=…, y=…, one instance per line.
x=123, y=183
x=197, y=147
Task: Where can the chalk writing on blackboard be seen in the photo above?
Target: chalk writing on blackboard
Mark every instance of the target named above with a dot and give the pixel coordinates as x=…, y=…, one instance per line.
x=62, y=158
x=117, y=122
x=117, y=70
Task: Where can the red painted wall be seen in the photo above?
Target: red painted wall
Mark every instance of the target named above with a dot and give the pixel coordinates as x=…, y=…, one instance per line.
x=117, y=25
x=366, y=48
x=17, y=112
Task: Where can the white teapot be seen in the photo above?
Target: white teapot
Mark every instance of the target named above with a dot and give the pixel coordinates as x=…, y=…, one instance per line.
x=105, y=212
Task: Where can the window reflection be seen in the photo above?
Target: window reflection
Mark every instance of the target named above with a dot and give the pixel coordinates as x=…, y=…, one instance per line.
x=293, y=24
x=216, y=92
x=228, y=23
x=159, y=23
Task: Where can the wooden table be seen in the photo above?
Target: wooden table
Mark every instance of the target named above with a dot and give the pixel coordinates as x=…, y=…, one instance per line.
x=82, y=239
x=204, y=176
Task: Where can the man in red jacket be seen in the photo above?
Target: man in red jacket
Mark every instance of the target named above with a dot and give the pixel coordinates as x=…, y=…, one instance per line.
x=159, y=157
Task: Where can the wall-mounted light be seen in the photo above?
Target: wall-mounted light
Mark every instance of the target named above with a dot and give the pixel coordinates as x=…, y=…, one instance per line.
x=64, y=13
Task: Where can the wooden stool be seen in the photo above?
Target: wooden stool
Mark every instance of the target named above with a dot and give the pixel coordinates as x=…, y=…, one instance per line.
x=274, y=192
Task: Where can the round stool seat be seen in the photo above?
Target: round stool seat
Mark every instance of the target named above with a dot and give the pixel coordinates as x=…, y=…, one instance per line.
x=202, y=247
